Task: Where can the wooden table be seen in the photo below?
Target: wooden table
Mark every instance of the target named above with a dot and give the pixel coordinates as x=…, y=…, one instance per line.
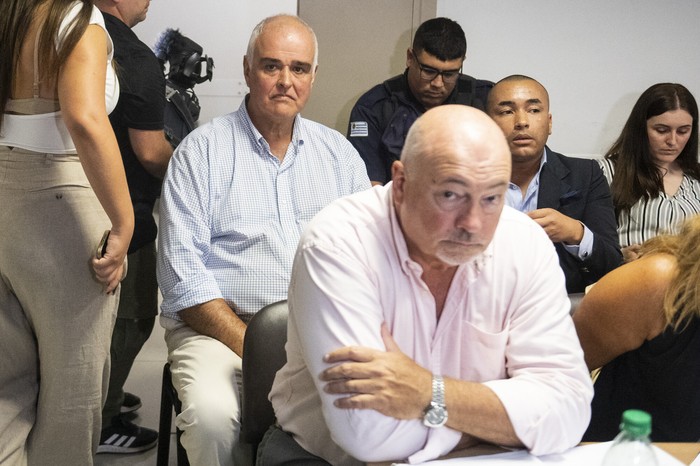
x=684, y=452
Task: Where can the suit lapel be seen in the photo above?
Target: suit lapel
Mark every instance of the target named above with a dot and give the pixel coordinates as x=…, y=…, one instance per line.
x=552, y=184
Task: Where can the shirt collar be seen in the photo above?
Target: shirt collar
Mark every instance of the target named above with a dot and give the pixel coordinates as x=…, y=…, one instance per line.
x=535, y=179
x=543, y=161
x=263, y=146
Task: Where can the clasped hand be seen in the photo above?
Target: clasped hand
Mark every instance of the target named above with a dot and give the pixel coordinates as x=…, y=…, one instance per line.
x=559, y=227
x=110, y=269
x=386, y=381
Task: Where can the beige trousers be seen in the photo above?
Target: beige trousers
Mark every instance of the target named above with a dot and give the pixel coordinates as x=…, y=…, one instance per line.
x=55, y=322
x=207, y=377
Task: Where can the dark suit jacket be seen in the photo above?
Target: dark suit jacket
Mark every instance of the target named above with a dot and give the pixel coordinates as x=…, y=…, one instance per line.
x=577, y=188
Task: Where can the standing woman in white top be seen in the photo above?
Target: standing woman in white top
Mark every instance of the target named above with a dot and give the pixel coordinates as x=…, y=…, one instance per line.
x=653, y=168
x=62, y=185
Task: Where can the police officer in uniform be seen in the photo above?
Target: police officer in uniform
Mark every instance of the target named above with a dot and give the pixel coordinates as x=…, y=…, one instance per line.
x=380, y=119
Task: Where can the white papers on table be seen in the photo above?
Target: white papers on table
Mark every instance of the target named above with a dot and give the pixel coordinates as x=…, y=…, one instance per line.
x=696, y=461
x=586, y=455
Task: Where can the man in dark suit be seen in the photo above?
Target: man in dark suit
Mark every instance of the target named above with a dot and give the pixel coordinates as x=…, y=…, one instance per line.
x=566, y=196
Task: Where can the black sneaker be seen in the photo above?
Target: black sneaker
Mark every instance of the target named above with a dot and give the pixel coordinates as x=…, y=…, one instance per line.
x=131, y=403
x=126, y=437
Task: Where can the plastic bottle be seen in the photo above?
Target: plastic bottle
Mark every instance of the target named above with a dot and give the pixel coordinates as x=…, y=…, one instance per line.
x=632, y=446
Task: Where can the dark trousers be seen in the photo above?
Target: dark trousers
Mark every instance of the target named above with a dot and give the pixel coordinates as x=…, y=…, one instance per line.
x=136, y=316
x=278, y=448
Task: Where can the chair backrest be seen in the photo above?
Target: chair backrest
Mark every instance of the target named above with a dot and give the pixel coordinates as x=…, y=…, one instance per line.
x=263, y=356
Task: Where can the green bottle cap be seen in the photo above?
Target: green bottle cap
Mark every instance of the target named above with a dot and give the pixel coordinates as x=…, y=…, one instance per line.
x=636, y=422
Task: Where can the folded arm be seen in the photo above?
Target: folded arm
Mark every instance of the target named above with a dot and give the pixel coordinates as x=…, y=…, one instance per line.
x=327, y=318
x=543, y=403
x=393, y=384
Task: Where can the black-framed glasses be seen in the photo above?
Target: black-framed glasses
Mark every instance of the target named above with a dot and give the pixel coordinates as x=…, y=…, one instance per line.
x=428, y=73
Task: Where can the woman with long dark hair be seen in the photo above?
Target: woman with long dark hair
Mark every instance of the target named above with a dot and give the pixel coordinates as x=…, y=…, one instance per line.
x=653, y=168
x=62, y=185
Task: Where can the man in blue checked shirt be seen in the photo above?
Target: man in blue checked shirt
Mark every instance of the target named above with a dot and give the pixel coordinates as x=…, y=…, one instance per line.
x=237, y=194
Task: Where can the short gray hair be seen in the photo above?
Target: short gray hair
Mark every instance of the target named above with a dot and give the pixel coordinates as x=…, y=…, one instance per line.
x=258, y=29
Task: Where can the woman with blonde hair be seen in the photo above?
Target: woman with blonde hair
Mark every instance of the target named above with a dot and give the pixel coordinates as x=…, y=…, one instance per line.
x=62, y=184
x=641, y=324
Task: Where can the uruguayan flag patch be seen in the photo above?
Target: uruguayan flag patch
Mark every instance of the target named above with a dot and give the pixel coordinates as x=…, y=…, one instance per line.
x=358, y=129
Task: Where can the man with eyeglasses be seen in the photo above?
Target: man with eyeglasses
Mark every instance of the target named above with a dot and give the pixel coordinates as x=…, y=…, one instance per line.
x=380, y=119
x=237, y=195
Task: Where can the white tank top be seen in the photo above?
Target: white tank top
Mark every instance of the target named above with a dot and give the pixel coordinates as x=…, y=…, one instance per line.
x=47, y=132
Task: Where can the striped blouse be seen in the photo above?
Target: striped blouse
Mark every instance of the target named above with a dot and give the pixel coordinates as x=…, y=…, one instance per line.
x=650, y=217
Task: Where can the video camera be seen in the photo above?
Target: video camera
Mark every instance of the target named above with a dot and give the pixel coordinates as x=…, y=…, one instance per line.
x=184, y=65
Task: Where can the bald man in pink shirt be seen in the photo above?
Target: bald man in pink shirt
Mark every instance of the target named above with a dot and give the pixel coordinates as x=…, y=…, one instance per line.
x=418, y=321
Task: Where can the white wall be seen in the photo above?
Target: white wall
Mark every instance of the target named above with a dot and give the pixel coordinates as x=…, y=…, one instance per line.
x=222, y=28
x=595, y=57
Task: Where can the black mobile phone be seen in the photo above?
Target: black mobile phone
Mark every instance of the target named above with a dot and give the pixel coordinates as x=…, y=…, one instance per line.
x=102, y=247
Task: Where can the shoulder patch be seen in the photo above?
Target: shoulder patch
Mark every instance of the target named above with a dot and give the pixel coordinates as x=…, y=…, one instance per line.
x=358, y=129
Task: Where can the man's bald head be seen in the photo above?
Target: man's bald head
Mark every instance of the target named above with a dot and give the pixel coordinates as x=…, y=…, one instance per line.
x=449, y=185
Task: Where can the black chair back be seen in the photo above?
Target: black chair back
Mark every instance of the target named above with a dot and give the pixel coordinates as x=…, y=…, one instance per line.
x=263, y=356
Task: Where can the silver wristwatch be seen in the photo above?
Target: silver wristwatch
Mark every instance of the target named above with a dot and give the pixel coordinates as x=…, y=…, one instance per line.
x=436, y=413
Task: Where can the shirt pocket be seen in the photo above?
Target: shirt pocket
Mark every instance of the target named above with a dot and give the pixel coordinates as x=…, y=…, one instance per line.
x=481, y=352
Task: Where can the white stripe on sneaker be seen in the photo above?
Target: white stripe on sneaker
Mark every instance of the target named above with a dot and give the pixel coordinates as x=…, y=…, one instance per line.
x=111, y=439
x=121, y=440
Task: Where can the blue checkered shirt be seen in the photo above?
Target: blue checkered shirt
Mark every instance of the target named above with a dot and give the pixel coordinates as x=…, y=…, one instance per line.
x=231, y=213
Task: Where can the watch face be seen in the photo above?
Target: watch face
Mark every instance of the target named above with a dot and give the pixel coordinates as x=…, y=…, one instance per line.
x=436, y=416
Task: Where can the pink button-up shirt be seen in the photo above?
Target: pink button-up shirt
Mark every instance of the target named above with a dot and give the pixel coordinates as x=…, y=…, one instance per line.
x=505, y=323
